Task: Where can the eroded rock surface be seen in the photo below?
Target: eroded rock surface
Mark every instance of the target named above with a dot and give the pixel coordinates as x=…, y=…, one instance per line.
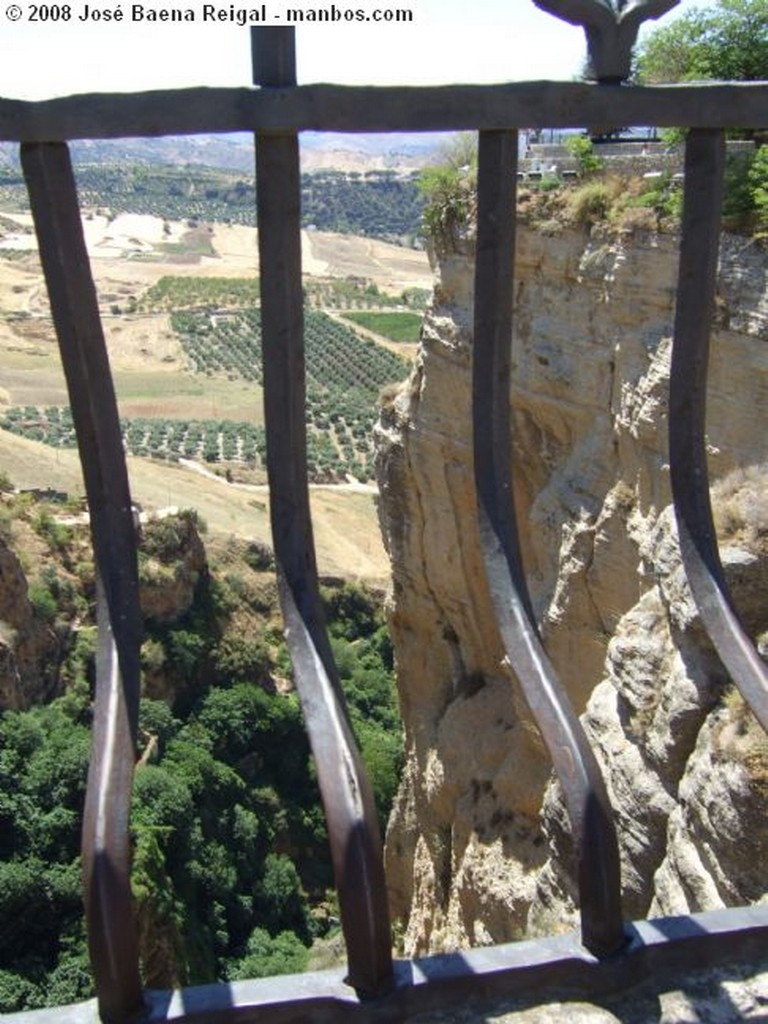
x=468, y=848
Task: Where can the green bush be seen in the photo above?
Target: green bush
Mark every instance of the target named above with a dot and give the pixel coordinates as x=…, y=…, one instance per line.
x=259, y=557
x=738, y=198
x=16, y=992
x=153, y=656
x=451, y=202
x=71, y=980
x=57, y=535
x=267, y=956
x=758, y=185
x=156, y=719
x=278, y=899
x=185, y=649
x=589, y=203
x=583, y=152
x=237, y=658
x=43, y=602
x=163, y=538
x=351, y=610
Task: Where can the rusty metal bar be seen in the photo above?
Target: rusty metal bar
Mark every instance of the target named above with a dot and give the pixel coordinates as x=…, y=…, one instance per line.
x=106, y=852
x=574, y=762
x=347, y=797
x=704, y=169
x=382, y=109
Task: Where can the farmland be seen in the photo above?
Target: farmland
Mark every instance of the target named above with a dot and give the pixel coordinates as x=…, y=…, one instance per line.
x=346, y=293
x=376, y=204
x=344, y=376
x=184, y=343
x=402, y=327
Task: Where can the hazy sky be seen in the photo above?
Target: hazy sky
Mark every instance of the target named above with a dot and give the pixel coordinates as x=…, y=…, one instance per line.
x=448, y=41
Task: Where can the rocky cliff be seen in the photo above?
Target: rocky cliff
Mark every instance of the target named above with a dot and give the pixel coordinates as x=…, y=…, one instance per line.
x=47, y=592
x=477, y=845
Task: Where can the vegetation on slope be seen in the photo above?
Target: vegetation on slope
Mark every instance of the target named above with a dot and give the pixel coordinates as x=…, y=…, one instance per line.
x=345, y=374
x=377, y=204
x=353, y=293
x=172, y=293
x=617, y=203
x=231, y=872
x=381, y=204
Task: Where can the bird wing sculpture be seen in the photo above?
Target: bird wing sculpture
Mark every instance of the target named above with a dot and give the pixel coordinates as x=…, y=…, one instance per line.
x=611, y=32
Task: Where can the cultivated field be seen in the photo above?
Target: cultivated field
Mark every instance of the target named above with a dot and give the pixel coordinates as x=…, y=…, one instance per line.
x=154, y=374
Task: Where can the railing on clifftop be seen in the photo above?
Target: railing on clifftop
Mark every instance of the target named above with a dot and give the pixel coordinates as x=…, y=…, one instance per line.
x=609, y=953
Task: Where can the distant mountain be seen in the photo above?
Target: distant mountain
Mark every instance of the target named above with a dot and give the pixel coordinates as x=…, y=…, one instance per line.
x=398, y=150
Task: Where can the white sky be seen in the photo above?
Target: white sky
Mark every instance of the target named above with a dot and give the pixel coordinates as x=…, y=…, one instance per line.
x=448, y=41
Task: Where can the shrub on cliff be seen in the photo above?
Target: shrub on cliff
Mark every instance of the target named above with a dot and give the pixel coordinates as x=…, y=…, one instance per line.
x=450, y=188
x=758, y=184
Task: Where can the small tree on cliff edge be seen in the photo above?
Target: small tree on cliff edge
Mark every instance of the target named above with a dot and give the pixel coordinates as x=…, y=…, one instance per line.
x=449, y=185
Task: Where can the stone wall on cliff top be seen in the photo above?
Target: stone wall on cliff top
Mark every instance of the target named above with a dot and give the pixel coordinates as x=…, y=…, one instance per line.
x=474, y=852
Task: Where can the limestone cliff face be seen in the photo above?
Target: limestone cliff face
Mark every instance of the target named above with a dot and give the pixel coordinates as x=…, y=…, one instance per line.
x=35, y=640
x=30, y=649
x=469, y=852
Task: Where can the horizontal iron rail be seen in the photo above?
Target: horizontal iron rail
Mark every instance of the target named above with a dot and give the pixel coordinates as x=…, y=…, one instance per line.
x=664, y=953
x=382, y=109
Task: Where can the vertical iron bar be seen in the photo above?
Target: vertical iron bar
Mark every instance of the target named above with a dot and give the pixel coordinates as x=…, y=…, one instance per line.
x=347, y=797
x=704, y=171
x=573, y=759
x=106, y=847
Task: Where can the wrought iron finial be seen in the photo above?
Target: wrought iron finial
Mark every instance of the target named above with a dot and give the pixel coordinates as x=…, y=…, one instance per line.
x=611, y=30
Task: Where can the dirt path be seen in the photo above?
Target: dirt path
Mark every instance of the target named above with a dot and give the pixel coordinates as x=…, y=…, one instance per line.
x=351, y=486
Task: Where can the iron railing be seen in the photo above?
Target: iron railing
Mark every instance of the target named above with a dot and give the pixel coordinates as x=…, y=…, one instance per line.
x=609, y=953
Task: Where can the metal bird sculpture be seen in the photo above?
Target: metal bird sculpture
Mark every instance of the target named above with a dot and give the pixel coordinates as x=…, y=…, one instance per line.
x=611, y=31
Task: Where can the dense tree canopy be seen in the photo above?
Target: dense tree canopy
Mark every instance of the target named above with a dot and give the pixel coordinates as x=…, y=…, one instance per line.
x=726, y=41
x=231, y=875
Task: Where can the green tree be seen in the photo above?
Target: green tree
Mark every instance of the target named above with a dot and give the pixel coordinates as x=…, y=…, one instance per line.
x=278, y=899
x=727, y=42
x=241, y=658
x=583, y=152
x=450, y=190
x=758, y=186
x=267, y=956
